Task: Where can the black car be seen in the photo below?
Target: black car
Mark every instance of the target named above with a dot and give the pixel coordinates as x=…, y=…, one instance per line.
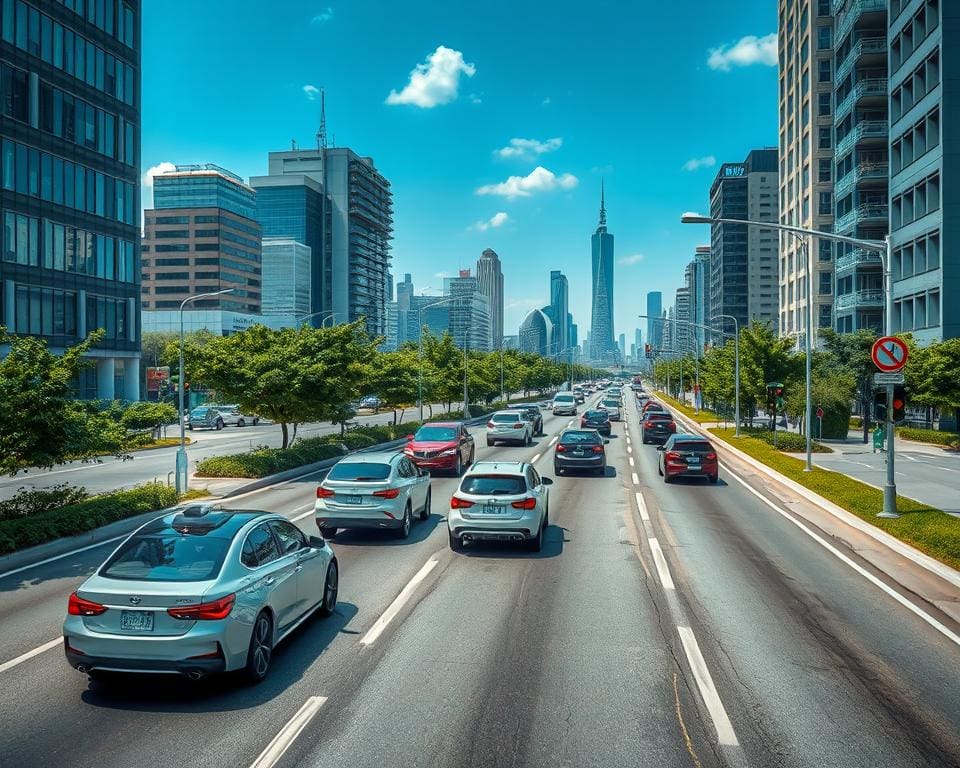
x=580, y=449
x=657, y=427
x=598, y=420
x=532, y=410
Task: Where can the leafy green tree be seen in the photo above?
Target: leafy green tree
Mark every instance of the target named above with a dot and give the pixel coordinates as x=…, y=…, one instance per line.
x=444, y=362
x=148, y=415
x=395, y=379
x=851, y=352
x=932, y=375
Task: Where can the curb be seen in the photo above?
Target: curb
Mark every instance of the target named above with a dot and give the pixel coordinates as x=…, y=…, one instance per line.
x=933, y=566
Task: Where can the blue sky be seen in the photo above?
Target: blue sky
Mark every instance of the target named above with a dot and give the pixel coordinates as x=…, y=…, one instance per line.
x=626, y=91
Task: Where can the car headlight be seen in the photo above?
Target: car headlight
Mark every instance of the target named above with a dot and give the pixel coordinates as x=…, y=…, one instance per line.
x=448, y=452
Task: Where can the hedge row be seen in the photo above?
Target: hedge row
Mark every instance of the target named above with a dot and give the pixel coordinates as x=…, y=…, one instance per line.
x=92, y=512
x=268, y=461
x=789, y=442
x=949, y=439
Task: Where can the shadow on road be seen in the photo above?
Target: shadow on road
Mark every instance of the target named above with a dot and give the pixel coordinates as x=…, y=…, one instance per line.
x=420, y=531
x=554, y=537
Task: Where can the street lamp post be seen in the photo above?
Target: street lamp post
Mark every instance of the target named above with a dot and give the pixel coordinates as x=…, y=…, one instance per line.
x=881, y=247
x=328, y=315
x=180, y=468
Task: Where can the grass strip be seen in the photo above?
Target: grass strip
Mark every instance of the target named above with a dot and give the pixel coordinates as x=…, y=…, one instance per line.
x=704, y=417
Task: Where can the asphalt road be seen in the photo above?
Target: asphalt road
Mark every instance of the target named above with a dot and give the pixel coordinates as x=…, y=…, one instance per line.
x=147, y=466
x=697, y=628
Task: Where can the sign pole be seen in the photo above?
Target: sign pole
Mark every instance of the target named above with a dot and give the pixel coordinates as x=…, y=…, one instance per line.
x=890, y=486
x=889, y=354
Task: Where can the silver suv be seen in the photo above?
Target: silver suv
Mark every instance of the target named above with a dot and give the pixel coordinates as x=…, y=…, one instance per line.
x=509, y=427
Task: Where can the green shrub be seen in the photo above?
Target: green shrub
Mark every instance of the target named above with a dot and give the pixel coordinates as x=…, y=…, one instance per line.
x=790, y=442
x=949, y=439
x=268, y=461
x=856, y=422
x=84, y=515
x=28, y=501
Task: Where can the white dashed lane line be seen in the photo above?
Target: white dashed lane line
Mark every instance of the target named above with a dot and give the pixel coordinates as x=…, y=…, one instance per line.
x=642, y=506
x=636, y=480
x=663, y=570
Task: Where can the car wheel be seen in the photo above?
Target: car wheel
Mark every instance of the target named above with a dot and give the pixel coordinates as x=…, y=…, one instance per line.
x=219, y=424
x=260, y=652
x=659, y=470
x=404, y=530
x=256, y=421
x=331, y=586
x=458, y=469
x=714, y=478
x=328, y=533
x=241, y=423
x=190, y=427
x=425, y=512
x=667, y=478
x=455, y=543
x=489, y=442
x=536, y=543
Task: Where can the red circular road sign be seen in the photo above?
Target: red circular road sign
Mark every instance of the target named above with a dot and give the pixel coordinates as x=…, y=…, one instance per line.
x=889, y=353
x=819, y=413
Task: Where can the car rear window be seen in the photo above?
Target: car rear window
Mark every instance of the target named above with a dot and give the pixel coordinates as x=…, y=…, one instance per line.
x=613, y=403
x=505, y=418
x=658, y=416
x=596, y=415
x=493, y=485
x=167, y=557
x=585, y=437
x=359, y=471
x=692, y=445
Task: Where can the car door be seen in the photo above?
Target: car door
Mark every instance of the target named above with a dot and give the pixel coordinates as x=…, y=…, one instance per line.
x=311, y=567
x=415, y=483
x=275, y=575
x=465, y=445
x=539, y=490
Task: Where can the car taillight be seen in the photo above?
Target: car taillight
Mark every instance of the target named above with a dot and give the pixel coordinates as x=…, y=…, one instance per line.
x=324, y=493
x=672, y=426
x=389, y=493
x=583, y=422
x=457, y=503
x=518, y=425
x=672, y=456
x=77, y=606
x=711, y=456
x=490, y=425
x=598, y=449
x=218, y=609
x=530, y=503
x=561, y=448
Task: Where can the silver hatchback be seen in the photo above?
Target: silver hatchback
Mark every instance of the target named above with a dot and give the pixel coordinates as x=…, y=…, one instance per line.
x=198, y=591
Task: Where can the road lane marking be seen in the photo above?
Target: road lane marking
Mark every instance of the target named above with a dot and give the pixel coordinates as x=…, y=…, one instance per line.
x=30, y=654
x=555, y=438
x=536, y=456
x=629, y=449
x=663, y=570
x=631, y=461
x=642, y=506
x=288, y=734
x=942, y=629
x=711, y=698
x=71, y=553
x=397, y=605
x=636, y=480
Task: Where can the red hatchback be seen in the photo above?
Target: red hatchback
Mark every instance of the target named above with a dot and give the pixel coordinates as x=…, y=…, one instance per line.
x=687, y=456
x=441, y=445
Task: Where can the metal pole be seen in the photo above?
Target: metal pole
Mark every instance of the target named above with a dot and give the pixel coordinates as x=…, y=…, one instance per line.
x=503, y=395
x=890, y=486
x=466, y=396
x=181, y=460
x=420, y=357
x=808, y=348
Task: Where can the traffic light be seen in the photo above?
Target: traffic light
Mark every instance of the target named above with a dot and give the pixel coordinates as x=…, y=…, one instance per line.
x=880, y=404
x=771, y=399
x=648, y=351
x=899, y=403
x=778, y=395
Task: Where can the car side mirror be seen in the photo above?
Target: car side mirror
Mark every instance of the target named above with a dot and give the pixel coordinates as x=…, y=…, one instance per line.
x=606, y=442
x=318, y=542
x=409, y=438
x=546, y=481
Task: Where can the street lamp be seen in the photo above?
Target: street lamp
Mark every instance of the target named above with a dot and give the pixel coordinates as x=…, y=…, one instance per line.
x=883, y=248
x=328, y=315
x=180, y=468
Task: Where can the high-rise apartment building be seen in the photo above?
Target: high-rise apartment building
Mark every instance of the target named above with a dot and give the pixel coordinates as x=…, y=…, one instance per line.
x=70, y=192
x=697, y=282
x=654, y=312
x=490, y=280
x=861, y=167
x=285, y=275
x=558, y=310
x=743, y=260
x=469, y=316
x=602, y=346
x=923, y=36
x=805, y=43
x=683, y=337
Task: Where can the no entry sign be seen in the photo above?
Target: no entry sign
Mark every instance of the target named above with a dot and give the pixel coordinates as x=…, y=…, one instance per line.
x=889, y=353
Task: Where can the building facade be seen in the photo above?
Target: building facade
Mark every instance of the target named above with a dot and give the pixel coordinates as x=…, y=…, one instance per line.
x=683, y=341
x=490, y=280
x=559, y=311
x=697, y=282
x=923, y=215
x=805, y=43
x=469, y=316
x=285, y=270
x=743, y=260
x=861, y=159
x=70, y=192
x=654, y=312
x=536, y=333
x=602, y=346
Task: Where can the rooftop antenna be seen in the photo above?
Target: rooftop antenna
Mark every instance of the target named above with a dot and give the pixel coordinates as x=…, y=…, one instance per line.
x=293, y=145
x=322, y=131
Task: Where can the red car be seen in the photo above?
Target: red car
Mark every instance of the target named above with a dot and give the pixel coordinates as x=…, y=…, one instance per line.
x=441, y=445
x=657, y=427
x=687, y=456
x=652, y=405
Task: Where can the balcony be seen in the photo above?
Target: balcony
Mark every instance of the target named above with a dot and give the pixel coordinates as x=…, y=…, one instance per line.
x=869, y=87
x=856, y=258
x=870, y=213
x=854, y=10
x=863, y=298
x=862, y=132
x=864, y=47
x=863, y=172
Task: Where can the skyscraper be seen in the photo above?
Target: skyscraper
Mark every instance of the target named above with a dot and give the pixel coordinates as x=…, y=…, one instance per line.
x=469, y=318
x=285, y=278
x=536, y=333
x=683, y=338
x=806, y=159
x=622, y=347
x=654, y=311
x=558, y=311
x=697, y=280
x=70, y=192
x=490, y=280
x=602, y=346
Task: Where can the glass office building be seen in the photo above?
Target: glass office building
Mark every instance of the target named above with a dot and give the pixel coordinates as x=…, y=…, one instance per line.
x=69, y=181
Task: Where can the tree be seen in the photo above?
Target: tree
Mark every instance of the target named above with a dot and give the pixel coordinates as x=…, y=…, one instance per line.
x=444, y=363
x=395, y=379
x=147, y=415
x=851, y=352
x=932, y=375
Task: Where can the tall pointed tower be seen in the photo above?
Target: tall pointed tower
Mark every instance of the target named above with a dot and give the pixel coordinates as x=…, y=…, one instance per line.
x=602, y=346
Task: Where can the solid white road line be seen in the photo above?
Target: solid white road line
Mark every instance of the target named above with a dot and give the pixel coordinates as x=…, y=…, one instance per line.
x=642, y=506
x=945, y=631
x=636, y=480
x=663, y=570
x=71, y=553
x=30, y=654
x=397, y=605
x=536, y=456
x=288, y=734
x=711, y=698
x=555, y=438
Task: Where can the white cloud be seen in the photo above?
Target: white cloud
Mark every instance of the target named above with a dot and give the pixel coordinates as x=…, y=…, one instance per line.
x=156, y=170
x=746, y=51
x=527, y=149
x=311, y=91
x=497, y=220
x=474, y=99
x=441, y=275
x=538, y=180
x=695, y=163
x=323, y=17
x=629, y=261
x=436, y=81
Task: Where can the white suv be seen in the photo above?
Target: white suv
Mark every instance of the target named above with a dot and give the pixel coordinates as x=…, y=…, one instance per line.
x=499, y=501
x=564, y=404
x=510, y=427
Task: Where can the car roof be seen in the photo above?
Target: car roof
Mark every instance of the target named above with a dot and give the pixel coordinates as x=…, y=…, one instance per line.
x=219, y=522
x=577, y=430
x=498, y=468
x=441, y=424
x=503, y=411
x=372, y=457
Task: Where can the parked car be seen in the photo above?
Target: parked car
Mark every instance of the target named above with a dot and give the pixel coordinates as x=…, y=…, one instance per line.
x=657, y=427
x=564, y=404
x=199, y=591
x=378, y=491
x=499, y=501
x=612, y=407
x=687, y=456
x=441, y=445
x=580, y=449
x=233, y=416
x=509, y=427
x=208, y=417
x=597, y=419
x=371, y=401
x=536, y=418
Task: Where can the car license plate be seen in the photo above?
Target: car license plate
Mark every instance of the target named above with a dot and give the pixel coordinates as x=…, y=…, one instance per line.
x=693, y=461
x=492, y=509
x=353, y=499
x=136, y=621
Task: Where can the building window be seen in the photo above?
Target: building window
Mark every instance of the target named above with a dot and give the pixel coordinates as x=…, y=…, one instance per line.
x=824, y=71
x=824, y=170
x=823, y=104
x=825, y=204
x=825, y=250
x=824, y=137
x=824, y=38
x=826, y=284
x=824, y=316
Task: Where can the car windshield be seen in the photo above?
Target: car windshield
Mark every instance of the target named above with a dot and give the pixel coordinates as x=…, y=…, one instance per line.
x=580, y=438
x=611, y=403
x=436, y=434
x=563, y=398
x=359, y=471
x=168, y=557
x=493, y=485
x=199, y=412
x=505, y=418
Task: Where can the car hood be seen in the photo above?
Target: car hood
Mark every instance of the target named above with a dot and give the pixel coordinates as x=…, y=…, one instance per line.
x=431, y=445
